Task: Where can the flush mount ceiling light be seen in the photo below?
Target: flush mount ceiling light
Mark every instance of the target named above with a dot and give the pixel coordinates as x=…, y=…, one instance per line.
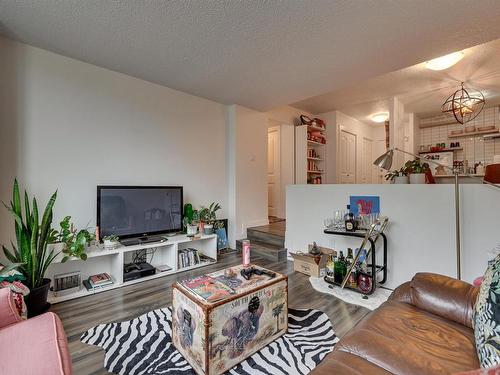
x=444, y=62
x=380, y=117
x=464, y=104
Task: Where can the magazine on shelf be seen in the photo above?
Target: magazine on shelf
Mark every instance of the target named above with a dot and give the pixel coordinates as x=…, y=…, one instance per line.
x=208, y=288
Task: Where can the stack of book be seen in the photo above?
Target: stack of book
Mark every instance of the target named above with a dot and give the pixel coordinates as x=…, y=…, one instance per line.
x=98, y=281
x=188, y=257
x=191, y=257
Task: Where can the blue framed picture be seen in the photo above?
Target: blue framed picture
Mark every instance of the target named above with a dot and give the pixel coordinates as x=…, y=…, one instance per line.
x=364, y=205
x=221, y=238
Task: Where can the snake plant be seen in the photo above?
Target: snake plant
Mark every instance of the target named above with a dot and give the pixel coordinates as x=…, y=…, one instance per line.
x=32, y=237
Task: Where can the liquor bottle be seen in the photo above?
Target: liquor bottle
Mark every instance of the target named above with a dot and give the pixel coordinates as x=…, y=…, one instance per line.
x=350, y=223
x=330, y=267
x=353, y=277
x=340, y=269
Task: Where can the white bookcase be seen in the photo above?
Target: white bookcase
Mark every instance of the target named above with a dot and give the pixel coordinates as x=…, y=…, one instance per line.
x=112, y=261
x=310, y=156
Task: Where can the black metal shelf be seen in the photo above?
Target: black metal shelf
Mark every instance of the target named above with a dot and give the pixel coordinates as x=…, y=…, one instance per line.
x=373, y=267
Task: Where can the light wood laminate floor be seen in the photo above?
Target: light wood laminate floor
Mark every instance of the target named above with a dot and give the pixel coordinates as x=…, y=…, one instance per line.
x=128, y=302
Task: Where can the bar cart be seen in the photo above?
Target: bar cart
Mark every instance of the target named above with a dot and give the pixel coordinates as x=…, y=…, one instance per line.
x=371, y=235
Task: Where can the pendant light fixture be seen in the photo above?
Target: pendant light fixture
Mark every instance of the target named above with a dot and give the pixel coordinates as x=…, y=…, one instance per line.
x=464, y=104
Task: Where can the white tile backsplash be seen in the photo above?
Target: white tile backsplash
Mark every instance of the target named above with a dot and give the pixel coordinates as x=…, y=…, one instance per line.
x=475, y=149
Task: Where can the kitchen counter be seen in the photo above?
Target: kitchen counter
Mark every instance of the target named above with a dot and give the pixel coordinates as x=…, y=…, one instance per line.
x=463, y=179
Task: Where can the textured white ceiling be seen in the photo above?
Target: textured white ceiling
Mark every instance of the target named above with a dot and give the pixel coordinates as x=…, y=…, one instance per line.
x=420, y=89
x=258, y=53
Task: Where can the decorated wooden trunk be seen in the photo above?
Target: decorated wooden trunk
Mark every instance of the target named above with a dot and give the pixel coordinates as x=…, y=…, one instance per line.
x=220, y=319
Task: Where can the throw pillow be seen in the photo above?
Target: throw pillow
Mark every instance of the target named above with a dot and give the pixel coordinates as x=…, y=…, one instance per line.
x=487, y=316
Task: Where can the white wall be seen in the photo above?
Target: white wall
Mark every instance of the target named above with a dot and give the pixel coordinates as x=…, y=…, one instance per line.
x=70, y=126
x=422, y=226
x=247, y=170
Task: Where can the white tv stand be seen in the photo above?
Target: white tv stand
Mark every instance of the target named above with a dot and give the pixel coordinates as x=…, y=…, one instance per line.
x=111, y=261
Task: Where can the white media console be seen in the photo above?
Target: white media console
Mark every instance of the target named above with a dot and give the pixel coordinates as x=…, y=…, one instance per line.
x=112, y=261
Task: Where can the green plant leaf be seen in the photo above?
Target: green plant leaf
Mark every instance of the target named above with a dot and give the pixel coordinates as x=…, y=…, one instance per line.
x=9, y=255
x=65, y=259
x=83, y=256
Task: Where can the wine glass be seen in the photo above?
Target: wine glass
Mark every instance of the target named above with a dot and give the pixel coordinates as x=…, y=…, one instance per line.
x=328, y=222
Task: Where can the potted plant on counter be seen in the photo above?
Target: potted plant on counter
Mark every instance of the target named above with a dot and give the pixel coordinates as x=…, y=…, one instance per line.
x=397, y=176
x=191, y=219
x=30, y=252
x=416, y=169
x=209, y=216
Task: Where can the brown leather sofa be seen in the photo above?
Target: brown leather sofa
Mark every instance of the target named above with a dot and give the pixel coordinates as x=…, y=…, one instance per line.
x=424, y=328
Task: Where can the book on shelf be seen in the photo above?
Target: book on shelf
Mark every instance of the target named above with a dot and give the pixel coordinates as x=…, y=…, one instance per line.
x=208, y=288
x=98, y=281
x=191, y=257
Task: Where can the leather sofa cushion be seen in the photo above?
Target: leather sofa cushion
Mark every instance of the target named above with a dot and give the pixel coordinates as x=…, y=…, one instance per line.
x=403, y=339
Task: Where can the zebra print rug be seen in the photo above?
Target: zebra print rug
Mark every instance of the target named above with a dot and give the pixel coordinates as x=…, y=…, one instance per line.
x=143, y=346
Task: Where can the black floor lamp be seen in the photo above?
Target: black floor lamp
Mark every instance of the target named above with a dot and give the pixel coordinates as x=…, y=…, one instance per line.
x=385, y=162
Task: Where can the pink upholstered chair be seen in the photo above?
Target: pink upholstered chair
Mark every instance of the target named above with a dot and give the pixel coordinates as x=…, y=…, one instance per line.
x=34, y=346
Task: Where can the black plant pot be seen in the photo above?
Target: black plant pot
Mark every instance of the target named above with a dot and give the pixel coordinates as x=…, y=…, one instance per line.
x=36, y=301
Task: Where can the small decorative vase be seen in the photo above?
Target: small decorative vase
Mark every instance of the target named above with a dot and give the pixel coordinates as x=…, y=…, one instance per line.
x=208, y=229
x=191, y=229
x=401, y=180
x=417, y=178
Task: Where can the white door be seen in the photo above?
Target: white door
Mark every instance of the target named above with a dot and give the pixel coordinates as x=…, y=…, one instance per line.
x=347, y=147
x=366, y=161
x=273, y=170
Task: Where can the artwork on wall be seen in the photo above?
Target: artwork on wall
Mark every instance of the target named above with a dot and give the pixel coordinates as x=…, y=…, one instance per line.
x=364, y=205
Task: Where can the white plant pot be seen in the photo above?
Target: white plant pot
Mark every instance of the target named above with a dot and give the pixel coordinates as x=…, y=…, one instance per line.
x=108, y=244
x=191, y=229
x=401, y=180
x=417, y=178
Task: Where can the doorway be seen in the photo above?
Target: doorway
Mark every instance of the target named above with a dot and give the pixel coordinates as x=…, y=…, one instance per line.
x=273, y=171
x=347, y=148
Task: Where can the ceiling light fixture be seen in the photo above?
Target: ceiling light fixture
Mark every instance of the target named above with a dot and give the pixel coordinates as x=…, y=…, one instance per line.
x=464, y=104
x=444, y=62
x=380, y=117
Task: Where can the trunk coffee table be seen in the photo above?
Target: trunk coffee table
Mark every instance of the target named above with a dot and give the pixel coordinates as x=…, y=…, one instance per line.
x=221, y=318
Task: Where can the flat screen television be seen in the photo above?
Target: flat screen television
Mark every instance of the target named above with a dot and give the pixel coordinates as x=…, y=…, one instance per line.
x=139, y=211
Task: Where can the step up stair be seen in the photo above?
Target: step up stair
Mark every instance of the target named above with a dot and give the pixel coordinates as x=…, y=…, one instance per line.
x=265, y=237
x=271, y=252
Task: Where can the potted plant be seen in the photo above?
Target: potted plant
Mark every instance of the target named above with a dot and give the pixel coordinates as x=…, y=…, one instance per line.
x=110, y=242
x=209, y=216
x=190, y=220
x=416, y=169
x=397, y=176
x=30, y=251
x=74, y=242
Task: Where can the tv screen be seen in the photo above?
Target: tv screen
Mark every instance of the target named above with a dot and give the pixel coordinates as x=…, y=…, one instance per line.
x=134, y=211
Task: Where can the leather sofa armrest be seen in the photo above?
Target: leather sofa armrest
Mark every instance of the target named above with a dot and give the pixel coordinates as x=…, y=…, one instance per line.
x=8, y=311
x=444, y=296
x=402, y=293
